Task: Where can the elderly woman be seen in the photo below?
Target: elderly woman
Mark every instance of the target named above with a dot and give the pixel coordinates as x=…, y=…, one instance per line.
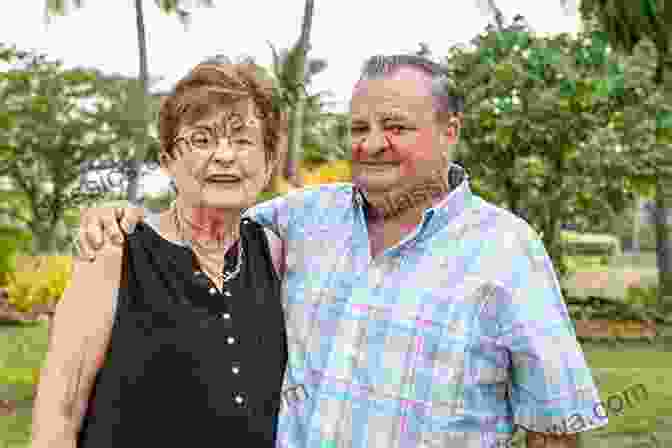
x=179, y=337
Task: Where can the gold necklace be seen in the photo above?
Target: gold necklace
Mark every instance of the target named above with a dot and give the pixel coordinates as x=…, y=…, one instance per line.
x=225, y=276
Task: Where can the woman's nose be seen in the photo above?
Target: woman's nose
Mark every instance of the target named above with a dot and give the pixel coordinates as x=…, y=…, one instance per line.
x=224, y=150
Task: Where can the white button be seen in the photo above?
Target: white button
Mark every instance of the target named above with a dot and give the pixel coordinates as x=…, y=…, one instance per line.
x=197, y=273
x=239, y=399
x=230, y=340
x=213, y=291
x=235, y=370
x=227, y=293
x=226, y=316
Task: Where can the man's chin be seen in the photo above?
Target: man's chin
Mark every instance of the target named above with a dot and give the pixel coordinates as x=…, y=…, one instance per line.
x=375, y=184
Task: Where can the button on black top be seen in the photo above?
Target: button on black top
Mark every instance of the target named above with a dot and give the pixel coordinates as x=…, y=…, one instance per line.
x=170, y=376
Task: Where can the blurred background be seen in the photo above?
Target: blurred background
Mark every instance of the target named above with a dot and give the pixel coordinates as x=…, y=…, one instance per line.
x=568, y=123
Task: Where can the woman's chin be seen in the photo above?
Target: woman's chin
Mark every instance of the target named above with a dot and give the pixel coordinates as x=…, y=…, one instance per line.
x=235, y=201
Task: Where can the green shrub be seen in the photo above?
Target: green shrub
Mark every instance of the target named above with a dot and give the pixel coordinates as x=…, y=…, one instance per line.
x=647, y=296
x=12, y=241
x=41, y=281
x=591, y=244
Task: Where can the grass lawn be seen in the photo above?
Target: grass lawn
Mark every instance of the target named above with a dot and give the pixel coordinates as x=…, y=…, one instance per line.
x=615, y=367
x=22, y=349
x=618, y=366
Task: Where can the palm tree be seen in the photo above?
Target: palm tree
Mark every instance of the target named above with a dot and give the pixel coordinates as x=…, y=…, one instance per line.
x=300, y=76
x=292, y=96
x=61, y=7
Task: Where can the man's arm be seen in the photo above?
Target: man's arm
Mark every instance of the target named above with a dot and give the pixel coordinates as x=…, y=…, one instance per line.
x=541, y=440
x=100, y=226
x=552, y=393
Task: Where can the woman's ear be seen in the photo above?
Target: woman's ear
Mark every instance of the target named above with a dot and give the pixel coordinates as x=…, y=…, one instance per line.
x=270, y=169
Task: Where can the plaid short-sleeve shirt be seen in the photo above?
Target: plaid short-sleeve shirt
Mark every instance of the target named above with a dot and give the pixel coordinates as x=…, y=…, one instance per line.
x=448, y=339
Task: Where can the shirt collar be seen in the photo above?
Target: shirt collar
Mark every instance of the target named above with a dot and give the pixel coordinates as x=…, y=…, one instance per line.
x=449, y=205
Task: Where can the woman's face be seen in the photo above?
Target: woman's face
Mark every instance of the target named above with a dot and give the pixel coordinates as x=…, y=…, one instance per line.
x=219, y=159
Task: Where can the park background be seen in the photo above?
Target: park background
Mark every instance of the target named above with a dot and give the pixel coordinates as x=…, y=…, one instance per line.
x=568, y=123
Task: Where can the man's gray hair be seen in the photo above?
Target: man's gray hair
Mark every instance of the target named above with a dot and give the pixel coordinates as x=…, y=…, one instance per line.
x=447, y=102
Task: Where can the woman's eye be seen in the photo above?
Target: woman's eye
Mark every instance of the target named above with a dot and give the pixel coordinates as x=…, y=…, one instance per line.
x=358, y=130
x=201, y=139
x=243, y=141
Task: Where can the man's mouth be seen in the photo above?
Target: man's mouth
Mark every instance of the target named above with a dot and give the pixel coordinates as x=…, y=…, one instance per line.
x=222, y=179
x=379, y=165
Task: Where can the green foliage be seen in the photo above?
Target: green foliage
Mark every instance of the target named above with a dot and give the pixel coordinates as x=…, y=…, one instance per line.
x=159, y=202
x=54, y=121
x=647, y=297
x=12, y=241
x=591, y=244
x=267, y=196
x=537, y=114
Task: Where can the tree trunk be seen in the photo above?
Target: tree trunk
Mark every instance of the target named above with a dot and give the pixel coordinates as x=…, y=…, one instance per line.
x=636, y=224
x=295, y=135
x=663, y=223
x=499, y=17
x=133, y=188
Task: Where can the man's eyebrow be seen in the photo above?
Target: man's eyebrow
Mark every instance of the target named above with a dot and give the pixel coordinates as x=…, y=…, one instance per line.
x=395, y=116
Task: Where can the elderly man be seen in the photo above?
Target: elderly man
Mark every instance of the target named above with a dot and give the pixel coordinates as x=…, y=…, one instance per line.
x=418, y=314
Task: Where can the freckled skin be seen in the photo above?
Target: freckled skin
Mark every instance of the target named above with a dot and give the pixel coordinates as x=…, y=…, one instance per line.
x=210, y=223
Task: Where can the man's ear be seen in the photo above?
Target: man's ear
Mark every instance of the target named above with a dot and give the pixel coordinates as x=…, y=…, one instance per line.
x=450, y=132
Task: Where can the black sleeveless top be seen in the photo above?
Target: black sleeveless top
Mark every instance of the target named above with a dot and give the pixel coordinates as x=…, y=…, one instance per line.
x=186, y=364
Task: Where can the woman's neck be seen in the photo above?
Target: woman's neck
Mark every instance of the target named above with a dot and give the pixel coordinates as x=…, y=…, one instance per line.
x=207, y=227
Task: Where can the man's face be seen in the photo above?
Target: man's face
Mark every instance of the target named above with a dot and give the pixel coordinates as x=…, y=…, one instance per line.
x=241, y=155
x=396, y=140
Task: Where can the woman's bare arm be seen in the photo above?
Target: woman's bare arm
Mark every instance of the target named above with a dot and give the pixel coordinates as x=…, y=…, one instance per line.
x=82, y=326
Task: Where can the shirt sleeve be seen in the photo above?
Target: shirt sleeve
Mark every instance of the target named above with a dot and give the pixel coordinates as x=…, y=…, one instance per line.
x=274, y=215
x=552, y=389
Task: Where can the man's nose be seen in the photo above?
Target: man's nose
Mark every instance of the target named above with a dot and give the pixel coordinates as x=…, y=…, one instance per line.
x=373, y=143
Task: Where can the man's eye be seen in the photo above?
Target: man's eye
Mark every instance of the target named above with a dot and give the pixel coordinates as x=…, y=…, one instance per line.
x=395, y=128
x=243, y=141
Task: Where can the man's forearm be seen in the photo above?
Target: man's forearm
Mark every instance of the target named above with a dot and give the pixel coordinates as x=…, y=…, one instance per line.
x=541, y=440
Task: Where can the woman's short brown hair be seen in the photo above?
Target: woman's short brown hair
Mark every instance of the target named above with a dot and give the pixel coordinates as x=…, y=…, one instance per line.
x=209, y=85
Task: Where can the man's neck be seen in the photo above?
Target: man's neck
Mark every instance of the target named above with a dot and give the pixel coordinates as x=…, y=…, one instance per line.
x=393, y=216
